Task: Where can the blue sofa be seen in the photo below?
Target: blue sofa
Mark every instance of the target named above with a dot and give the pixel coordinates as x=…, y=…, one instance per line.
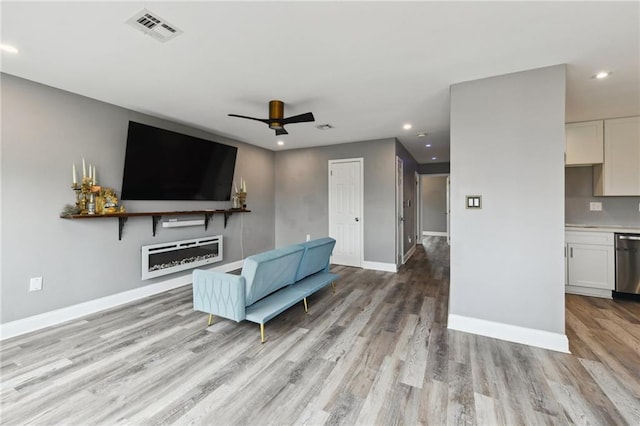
x=269, y=283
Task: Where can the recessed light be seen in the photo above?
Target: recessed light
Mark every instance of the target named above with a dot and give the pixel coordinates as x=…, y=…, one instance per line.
x=434, y=158
x=406, y=126
x=602, y=74
x=8, y=48
x=428, y=145
x=421, y=134
x=280, y=143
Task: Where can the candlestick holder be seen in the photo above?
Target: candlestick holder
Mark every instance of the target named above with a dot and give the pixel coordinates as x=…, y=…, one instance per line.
x=242, y=199
x=83, y=190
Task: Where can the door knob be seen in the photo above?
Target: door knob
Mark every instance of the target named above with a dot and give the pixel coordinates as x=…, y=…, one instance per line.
x=357, y=219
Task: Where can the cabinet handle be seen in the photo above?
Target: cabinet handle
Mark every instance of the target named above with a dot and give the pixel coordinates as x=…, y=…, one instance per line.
x=571, y=252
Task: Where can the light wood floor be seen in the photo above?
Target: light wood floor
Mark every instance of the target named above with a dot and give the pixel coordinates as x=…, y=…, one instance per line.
x=376, y=352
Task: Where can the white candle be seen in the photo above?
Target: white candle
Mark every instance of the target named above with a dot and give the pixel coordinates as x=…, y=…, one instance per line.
x=235, y=187
x=74, y=174
x=90, y=169
x=84, y=170
x=95, y=179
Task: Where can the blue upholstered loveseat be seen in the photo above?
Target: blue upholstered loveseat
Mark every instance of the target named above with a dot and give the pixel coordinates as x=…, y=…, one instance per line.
x=269, y=283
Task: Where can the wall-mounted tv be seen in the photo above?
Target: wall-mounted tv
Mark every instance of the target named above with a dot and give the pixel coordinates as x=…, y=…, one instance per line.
x=164, y=165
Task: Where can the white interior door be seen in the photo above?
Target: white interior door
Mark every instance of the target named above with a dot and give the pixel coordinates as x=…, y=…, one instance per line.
x=345, y=210
x=400, y=212
x=448, y=210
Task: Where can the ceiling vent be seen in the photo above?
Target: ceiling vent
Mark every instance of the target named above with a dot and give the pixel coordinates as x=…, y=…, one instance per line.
x=324, y=127
x=154, y=26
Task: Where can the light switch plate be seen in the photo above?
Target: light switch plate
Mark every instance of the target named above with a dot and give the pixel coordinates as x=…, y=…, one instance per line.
x=595, y=206
x=473, y=202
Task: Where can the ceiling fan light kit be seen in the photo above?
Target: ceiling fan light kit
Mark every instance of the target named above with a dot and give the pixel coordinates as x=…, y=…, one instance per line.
x=276, y=120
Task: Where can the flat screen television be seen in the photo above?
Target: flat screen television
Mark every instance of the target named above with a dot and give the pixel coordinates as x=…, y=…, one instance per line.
x=164, y=165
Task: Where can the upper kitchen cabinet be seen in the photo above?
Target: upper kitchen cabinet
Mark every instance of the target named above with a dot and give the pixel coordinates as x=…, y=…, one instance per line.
x=584, y=144
x=620, y=173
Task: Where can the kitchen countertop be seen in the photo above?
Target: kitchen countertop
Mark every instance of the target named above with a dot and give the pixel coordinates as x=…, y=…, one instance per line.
x=602, y=228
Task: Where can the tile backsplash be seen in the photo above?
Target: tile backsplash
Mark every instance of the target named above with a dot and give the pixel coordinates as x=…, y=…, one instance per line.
x=616, y=211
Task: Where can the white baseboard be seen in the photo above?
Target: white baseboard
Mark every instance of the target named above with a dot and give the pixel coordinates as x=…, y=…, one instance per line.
x=408, y=255
x=587, y=291
x=379, y=266
x=511, y=333
x=433, y=234
x=47, y=319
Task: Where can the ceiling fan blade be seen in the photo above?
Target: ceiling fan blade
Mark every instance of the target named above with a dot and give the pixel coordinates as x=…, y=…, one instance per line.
x=262, y=120
x=281, y=131
x=302, y=118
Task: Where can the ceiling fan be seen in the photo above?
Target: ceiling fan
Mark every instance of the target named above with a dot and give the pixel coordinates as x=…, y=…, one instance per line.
x=276, y=120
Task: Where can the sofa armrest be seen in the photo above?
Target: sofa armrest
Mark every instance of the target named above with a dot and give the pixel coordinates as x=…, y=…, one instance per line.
x=219, y=294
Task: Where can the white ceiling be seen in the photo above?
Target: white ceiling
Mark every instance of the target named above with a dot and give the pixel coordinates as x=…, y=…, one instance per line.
x=364, y=67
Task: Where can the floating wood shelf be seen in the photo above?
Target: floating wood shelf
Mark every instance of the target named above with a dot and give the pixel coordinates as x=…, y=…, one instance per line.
x=155, y=217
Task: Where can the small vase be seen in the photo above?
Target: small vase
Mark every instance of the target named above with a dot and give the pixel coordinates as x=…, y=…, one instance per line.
x=235, y=202
x=91, y=205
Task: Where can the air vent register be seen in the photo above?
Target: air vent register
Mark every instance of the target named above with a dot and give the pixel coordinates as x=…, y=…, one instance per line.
x=152, y=25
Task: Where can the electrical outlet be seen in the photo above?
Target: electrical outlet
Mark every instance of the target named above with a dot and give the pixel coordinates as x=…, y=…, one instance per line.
x=308, y=237
x=595, y=206
x=35, y=284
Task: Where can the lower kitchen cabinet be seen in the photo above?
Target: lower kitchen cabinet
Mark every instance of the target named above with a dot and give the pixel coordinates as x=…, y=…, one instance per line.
x=590, y=263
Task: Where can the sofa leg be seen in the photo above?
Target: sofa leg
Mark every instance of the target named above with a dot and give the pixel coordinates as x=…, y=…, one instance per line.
x=306, y=309
x=333, y=287
x=261, y=333
x=210, y=320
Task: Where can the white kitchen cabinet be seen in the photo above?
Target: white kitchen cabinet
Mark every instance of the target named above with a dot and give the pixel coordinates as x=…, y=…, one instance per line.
x=619, y=175
x=584, y=143
x=590, y=263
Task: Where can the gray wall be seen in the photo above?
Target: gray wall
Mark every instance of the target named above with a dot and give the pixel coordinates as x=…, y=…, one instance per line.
x=45, y=130
x=434, y=203
x=616, y=211
x=409, y=196
x=434, y=168
x=507, y=144
x=302, y=191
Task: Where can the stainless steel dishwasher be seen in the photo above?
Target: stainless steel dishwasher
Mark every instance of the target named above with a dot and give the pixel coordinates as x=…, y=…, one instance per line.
x=628, y=265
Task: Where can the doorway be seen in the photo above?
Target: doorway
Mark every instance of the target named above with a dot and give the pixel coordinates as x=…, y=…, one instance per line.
x=434, y=205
